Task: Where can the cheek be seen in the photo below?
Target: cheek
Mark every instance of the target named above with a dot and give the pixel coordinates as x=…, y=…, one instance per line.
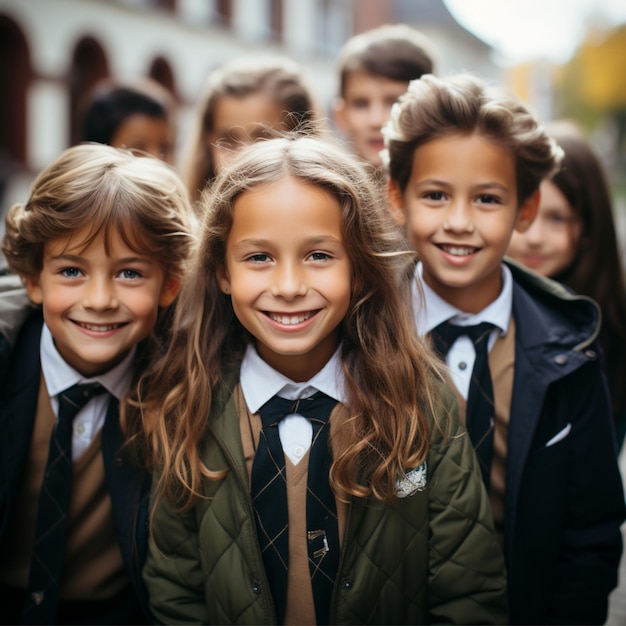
x=245, y=286
x=144, y=303
x=56, y=301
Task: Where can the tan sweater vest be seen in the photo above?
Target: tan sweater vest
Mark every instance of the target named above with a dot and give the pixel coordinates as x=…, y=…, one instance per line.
x=300, y=608
x=93, y=568
x=502, y=367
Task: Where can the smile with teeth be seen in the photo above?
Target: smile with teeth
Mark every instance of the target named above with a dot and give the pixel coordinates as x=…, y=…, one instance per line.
x=289, y=320
x=458, y=250
x=99, y=328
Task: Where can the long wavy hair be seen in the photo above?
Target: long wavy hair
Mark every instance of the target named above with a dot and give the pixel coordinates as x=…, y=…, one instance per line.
x=597, y=269
x=390, y=375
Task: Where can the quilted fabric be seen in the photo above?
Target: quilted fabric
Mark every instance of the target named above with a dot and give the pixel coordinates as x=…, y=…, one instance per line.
x=433, y=558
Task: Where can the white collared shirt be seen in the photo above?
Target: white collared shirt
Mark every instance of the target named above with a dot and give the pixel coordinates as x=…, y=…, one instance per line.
x=260, y=382
x=59, y=376
x=461, y=356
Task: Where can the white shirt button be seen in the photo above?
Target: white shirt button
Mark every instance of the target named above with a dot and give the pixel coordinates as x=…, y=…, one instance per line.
x=80, y=429
x=298, y=451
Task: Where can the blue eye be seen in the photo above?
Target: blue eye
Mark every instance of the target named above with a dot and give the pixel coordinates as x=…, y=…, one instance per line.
x=130, y=274
x=70, y=272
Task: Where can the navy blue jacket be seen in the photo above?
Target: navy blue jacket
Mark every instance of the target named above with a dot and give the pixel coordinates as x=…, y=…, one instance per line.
x=128, y=486
x=564, y=502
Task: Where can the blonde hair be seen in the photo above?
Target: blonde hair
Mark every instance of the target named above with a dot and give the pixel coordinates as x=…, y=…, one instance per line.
x=280, y=78
x=389, y=373
x=436, y=107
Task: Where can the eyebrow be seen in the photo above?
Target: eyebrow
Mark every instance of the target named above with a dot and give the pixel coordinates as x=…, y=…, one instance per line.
x=443, y=183
x=321, y=239
x=77, y=258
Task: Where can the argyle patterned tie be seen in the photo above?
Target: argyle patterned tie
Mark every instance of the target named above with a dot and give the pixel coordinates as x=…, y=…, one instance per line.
x=51, y=525
x=269, y=497
x=480, y=414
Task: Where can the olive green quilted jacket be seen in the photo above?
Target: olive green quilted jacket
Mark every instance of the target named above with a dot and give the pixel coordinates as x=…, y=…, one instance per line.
x=432, y=559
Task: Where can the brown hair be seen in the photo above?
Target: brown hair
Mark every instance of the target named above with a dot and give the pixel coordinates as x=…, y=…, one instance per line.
x=389, y=373
x=394, y=51
x=436, y=107
x=108, y=190
x=279, y=77
x=104, y=188
x=597, y=268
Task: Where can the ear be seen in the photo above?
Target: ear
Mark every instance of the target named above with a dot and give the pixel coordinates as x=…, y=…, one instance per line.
x=339, y=114
x=170, y=290
x=223, y=280
x=527, y=213
x=396, y=203
x=34, y=289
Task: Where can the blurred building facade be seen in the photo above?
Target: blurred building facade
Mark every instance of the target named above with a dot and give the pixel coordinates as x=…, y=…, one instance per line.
x=53, y=51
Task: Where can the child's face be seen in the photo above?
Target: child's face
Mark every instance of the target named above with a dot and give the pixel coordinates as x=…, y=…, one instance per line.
x=364, y=108
x=238, y=121
x=98, y=307
x=288, y=274
x=146, y=133
x=460, y=208
x=549, y=246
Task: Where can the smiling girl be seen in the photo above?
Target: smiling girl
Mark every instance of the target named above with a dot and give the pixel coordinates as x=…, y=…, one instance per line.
x=295, y=322
x=573, y=240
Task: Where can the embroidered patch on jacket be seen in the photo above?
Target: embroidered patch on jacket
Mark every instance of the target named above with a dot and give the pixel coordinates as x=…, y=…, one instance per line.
x=413, y=481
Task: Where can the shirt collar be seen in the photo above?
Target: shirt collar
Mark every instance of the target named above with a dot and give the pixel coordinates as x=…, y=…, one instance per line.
x=434, y=310
x=59, y=375
x=260, y=381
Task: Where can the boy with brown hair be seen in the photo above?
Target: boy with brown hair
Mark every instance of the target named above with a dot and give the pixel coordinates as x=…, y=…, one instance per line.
x=101, y=246
x=374, y=69
x=465, y=163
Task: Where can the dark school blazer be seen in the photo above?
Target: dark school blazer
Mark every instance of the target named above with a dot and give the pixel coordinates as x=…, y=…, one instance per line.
x=564, y=501
x=128, y=486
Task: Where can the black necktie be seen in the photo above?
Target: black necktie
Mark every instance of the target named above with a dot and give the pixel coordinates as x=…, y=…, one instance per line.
x=51, y=525
x=480, y=414
x=269, y=497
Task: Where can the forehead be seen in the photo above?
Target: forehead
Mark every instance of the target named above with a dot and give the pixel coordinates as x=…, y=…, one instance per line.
x=361, y=84
x=87, y=238
x=285, y=210
x=246, y=112
x=465, y=158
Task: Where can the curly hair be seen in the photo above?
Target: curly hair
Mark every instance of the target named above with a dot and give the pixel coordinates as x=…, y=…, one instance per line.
x=436, y=107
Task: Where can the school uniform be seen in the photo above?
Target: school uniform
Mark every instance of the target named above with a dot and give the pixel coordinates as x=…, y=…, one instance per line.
x=555, y=486
x=107, y=517
x=399, y=564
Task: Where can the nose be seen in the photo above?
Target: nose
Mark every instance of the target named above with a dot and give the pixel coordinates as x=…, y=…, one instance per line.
x=289, y=281
x=99, y=294
x=378, y=114
x=534, y=234
x=459, y=218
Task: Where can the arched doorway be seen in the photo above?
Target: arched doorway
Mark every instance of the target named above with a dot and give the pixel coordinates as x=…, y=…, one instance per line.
x=15, y=78
x=162, y=72
x=89, y=65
